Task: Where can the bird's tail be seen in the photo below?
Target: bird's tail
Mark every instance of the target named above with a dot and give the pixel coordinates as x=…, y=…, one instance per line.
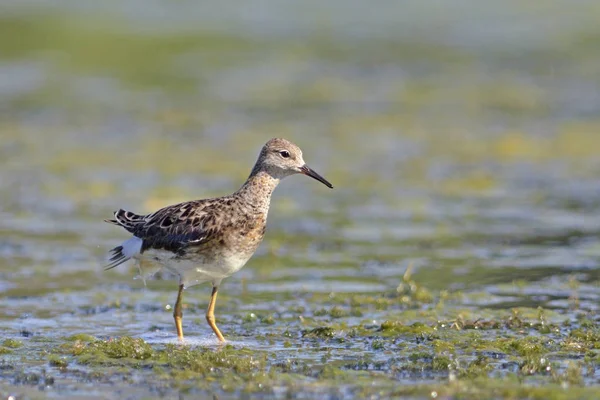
x=127, y=220
x=124, y=252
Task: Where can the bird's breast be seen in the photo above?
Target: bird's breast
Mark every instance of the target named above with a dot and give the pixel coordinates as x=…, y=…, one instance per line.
x=245, y=233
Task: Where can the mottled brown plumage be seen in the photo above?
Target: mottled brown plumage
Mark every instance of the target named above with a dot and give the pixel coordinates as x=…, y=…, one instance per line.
x=208, y=240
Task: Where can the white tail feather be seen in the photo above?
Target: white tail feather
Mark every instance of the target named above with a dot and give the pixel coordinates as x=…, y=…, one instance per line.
x=132, y=247
x=127, y=250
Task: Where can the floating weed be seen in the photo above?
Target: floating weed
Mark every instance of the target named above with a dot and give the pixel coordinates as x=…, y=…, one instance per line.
x=57, y=361
x=397, y=328
x=104, y=352
x=357, y=331
x=532, y=353
x=356, y=312
x=173, y=362
x=378, y=344
x=321, y=312
x=267, y=319
x=442, y=346
x=514, y=321
x=532, y=365
x=426, y=361
x=81, y=337
x=582, y=340
x=320, y=332
x=334, y=373
x=572, y=375
x=12, y=343
x=416, y=356
x=529, y=346
x=476, y=368
x=125, y=347
x=587, y=323
x=441, y=363
x=204, y=361
x=338, y=312
x=250, y=317
x=41, y=339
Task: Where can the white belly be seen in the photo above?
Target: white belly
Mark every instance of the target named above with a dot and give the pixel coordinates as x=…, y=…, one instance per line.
x=192, y=272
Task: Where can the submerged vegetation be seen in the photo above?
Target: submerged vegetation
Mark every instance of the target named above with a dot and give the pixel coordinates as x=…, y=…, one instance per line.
x=523, y=352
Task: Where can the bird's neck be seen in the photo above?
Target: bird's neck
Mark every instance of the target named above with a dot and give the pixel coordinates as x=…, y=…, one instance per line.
x=257, y=190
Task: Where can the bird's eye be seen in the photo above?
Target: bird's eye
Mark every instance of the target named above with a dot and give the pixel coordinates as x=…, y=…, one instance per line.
x=285, y=154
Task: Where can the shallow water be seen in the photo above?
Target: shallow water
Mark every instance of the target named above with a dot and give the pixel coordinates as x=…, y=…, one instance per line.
x=462, y=143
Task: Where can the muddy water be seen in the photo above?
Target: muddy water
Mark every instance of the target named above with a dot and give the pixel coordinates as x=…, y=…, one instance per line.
x=457, y=255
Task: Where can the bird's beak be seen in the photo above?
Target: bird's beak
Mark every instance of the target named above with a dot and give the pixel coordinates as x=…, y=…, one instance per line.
x=306, y=170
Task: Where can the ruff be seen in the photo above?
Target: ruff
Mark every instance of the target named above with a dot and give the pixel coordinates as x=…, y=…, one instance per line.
x=209, y=240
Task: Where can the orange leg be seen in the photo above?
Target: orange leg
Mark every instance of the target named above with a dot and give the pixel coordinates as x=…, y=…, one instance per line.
x=178, y=314
x=210, y=314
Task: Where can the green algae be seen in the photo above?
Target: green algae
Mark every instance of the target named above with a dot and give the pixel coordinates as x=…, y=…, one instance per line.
x=57, y=361
x=397, y=328
x=12, y=343
x=205, y=361
x=119, y=348
x=471, y=359
x=480, y=367
x=80, y=337
x=583, y=339
x=320, y=332
x=444, y=349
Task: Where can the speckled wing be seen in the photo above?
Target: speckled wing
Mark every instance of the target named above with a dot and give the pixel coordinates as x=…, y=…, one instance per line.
x=172, y=228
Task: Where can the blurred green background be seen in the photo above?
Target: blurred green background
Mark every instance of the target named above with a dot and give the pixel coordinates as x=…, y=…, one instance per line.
x=463, y=138
x=431, y=119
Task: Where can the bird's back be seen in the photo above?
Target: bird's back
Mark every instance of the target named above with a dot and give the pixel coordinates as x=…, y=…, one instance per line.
x=203, y=230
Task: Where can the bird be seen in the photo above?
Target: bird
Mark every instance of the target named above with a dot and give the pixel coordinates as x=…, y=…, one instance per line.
x=208, y=240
